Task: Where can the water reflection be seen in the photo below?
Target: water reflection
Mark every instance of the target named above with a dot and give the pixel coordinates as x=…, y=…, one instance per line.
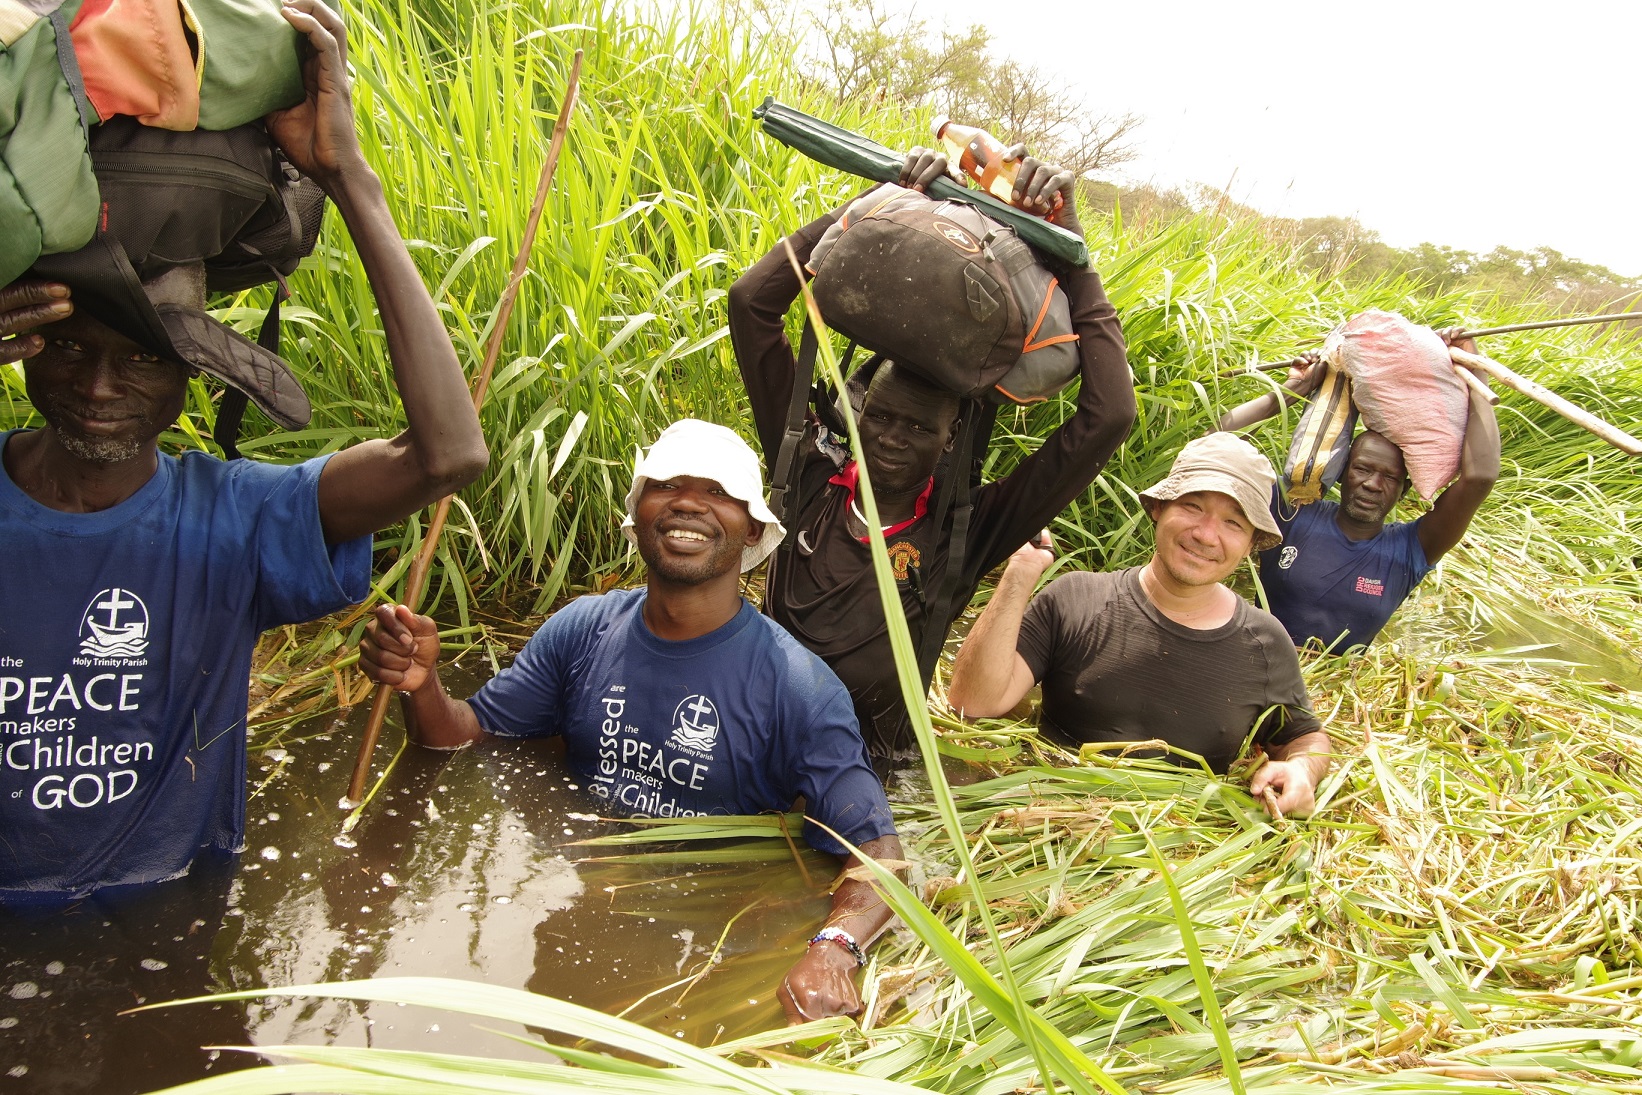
x=1520, y=627
x=462, y=867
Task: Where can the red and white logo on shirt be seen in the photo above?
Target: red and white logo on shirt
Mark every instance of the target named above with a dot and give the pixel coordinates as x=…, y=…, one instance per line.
x=1371, y=586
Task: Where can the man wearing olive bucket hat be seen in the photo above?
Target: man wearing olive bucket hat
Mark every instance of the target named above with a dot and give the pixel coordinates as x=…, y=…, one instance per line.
x=1163, y=651
x=680, y=699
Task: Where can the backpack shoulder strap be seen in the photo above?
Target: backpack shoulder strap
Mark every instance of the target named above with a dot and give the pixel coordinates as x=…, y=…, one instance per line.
x=231, y=408
x=953, y=497
x=782, y=474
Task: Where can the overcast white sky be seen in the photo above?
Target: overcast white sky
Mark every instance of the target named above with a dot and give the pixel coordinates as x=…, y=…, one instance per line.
x=1453, y=121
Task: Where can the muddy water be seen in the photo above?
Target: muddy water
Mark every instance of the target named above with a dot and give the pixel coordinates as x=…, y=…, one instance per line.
x=464, y=866
x=1521, y=627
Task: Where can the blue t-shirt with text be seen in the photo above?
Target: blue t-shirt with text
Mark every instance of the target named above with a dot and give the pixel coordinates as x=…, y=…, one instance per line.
x=125, y=658
x=741, y=720
x=1324, y=586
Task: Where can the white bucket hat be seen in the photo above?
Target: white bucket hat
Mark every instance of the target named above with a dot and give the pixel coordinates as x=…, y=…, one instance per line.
x=1225, y=463
x=707, y=451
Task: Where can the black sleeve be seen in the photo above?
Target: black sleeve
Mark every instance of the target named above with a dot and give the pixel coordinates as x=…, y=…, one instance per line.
x=759, y=301
x=1286, y=690
x=1010, y=510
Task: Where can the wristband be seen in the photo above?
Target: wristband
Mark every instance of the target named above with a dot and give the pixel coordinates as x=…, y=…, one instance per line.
x=843, y=939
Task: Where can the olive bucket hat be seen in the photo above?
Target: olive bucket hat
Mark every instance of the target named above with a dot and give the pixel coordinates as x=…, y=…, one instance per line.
x=1227, y=464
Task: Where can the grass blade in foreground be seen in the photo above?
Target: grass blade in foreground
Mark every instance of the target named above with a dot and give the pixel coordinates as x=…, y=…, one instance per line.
x=1072, y=1066
x=690, y=1068
x=1200, y=972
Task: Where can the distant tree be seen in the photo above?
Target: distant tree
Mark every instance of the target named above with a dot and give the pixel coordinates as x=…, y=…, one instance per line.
x=1140, y=205
x=1436, y=265
x=1332, y=245
x=859, y=51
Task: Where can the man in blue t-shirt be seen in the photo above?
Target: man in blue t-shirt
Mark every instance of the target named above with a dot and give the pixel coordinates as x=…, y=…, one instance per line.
x=680, y=699
x=1341, y=570
x=136, y=583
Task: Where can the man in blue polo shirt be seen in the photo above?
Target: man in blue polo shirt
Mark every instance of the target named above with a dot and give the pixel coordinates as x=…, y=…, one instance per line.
x=680, y=699
x=1341, y=570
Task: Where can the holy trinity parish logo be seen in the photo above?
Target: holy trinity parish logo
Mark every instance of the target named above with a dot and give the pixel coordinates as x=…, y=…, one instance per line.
x=695, y=725
x=115, y=625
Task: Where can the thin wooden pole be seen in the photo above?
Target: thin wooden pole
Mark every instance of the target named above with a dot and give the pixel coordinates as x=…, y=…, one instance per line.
x=417, y=579
x=1263, y=367
x=1541, y=325
x=1574, y=321
x=1613, y=435
x=1475, y=383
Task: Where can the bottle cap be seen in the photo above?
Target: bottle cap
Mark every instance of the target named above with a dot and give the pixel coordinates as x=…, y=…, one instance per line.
x=940, y=125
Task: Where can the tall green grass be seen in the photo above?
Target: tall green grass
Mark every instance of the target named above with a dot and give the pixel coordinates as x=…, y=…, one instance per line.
x=1462, y=914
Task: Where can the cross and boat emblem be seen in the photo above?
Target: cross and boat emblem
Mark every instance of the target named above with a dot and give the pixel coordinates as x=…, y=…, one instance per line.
x=115, y=625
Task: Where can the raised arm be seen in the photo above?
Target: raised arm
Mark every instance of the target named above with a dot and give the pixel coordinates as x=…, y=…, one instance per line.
x=761, y=297
x=822, y=983
x=375, y=483
x=1451, y=514
x=990, y=677
x=401, y=650
x=1302, y=380
x=758, y=304
x=1013, y=508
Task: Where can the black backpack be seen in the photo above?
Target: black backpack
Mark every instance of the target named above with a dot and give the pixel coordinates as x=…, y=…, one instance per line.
x=167, y=198
x=948, y=291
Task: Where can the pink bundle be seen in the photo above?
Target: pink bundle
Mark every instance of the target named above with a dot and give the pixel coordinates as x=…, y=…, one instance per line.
x=1404, y=386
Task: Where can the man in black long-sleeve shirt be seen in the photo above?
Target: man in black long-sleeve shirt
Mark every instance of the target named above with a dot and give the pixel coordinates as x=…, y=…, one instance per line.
x=822, y=589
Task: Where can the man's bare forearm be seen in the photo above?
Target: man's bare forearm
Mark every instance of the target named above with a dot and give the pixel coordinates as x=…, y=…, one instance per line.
x=983, y=675
x=857, y=907
x=1315, y=750
x=1444, y=527
x=435, y=720
x=442, y=448
x=442, y=425
x=1258, y=409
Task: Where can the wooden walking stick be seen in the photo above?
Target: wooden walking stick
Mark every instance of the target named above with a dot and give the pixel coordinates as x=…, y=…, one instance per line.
x=1539, y=325
x=1488, y=395
x=1544, y=324
x=1613, y=435
x=417, y=579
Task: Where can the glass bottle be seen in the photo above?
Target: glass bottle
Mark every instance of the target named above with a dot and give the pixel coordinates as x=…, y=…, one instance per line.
x=983, y=158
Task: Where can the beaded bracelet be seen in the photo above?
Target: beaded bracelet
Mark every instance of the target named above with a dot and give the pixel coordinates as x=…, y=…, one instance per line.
x=843, y=939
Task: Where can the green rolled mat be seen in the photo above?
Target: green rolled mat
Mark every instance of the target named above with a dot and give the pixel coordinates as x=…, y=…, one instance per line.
x=836, y=147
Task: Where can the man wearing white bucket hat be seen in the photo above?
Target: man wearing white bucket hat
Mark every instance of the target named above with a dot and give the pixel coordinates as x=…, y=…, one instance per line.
x=679, y=698
x=1163, y=651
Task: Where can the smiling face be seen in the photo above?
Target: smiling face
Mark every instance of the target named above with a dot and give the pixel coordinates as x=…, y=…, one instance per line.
x=691, y=531
x=1201, y=537
x=104, y=397
x=905, y=427
x=1375, y=477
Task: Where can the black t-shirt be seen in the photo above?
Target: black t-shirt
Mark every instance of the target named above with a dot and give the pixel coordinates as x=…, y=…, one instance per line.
x=821, y=586
x=1115, y=668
